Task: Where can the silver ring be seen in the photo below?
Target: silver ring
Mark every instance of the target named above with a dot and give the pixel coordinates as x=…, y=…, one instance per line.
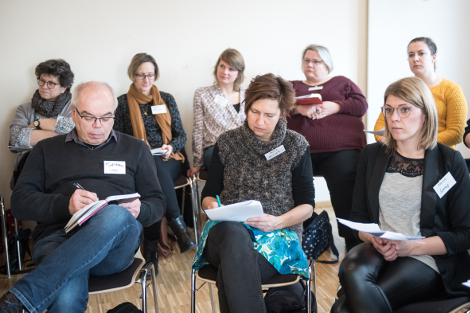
x=317, y=111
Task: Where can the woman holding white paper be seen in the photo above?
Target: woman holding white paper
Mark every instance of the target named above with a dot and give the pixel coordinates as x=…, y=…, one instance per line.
x=152, y=115
x=410, y=184
x=334, y=129
x=260, y=160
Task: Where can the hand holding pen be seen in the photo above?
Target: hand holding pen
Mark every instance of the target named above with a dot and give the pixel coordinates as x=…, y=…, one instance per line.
x=212, y=204
x=80, y=199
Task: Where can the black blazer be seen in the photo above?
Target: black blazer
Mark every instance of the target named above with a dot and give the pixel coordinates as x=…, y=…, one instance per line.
x=447, y=217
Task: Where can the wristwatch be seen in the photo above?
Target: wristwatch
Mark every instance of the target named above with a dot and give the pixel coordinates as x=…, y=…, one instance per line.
x=37, y=124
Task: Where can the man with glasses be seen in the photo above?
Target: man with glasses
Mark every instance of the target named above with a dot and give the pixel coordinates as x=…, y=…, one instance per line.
x=104, y=163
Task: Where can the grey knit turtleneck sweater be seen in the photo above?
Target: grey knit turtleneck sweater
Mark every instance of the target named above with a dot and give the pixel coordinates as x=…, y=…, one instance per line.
x=249, y=176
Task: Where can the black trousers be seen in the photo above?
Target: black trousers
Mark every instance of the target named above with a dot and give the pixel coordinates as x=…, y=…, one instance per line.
x=372, y=284
x=241, y=269
x=167, y=172
x=339, y=170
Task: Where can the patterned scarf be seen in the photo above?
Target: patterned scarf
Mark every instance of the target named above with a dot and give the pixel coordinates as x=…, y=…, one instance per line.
x=50, y=108
x=134, y=98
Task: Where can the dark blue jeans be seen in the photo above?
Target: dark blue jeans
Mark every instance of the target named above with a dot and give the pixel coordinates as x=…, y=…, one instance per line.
x=104, y=245
x=241, y=269
x=206, y=159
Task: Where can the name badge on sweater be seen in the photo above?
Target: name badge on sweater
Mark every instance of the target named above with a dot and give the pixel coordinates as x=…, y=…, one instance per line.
x=115, y=167
x=315, y=88
x=220, y=100
x=444, y=185
x=274, y=153
x=158, y=109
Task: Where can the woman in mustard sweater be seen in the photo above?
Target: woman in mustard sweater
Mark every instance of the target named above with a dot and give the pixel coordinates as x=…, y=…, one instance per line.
x=450, y=101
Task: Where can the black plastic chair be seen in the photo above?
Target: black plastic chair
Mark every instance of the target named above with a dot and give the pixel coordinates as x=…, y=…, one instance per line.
x=126, y=279
x=208, y=274
x=443, y=305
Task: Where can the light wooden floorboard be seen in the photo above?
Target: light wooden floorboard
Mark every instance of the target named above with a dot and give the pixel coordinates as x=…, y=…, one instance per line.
x=174, y=284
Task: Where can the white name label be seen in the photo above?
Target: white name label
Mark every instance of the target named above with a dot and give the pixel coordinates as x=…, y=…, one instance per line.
x=315, y=88
x=274, y=153
x=444, y=185
x=220, y=100
x=158, y=109
x=115, y=167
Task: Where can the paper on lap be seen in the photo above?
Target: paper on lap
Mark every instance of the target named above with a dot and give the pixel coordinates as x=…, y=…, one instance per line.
x=374, y=229
x=236, y=212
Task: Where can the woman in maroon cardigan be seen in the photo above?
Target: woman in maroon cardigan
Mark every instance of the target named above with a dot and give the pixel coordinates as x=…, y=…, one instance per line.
x=334, y=129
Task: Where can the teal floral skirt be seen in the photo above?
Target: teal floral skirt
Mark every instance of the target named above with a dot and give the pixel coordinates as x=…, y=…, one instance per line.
x=280, y=247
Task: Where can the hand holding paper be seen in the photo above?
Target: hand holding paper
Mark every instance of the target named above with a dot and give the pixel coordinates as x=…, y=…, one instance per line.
x=374, y=229
x=236, y=212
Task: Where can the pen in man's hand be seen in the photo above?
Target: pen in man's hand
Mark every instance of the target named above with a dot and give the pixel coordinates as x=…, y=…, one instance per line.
x=218, y=201
x=77, y=185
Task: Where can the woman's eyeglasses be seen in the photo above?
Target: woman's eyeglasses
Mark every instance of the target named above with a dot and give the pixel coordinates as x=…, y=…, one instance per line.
x=144, y=76
x=403, y=112
x=50, y=85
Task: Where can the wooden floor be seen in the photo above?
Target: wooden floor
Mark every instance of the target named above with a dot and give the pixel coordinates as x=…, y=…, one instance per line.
x=174, y=284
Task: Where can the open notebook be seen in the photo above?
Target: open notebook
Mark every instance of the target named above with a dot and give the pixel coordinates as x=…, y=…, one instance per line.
x=84, y=214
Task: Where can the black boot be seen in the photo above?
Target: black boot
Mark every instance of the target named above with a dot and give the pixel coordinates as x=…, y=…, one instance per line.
x=184, y=240
x=150, y=253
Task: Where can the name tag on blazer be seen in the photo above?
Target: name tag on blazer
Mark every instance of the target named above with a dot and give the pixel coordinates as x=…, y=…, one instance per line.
x=444, y=185
x=220, y=100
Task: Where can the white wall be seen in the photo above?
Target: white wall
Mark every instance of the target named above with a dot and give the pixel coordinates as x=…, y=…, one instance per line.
x=98, y=39
x=393, y=24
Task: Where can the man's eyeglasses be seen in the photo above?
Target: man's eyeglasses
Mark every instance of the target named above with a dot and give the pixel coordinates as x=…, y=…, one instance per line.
x=403, y=112
x=92, y=119
x=50, y=85
x=144, y=76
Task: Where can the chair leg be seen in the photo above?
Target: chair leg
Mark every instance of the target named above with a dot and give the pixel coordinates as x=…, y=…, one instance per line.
x=182, y=200
x=214, y=307
x=144, y=291
x=193, y=291
x=5, y=237
x=200, y=211
x=311, y=271
x=18, y=247
x=195, y=209
x=154, y=287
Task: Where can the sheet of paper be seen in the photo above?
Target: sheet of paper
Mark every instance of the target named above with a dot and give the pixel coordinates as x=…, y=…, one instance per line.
x=236, y=212
x=158, y=151
x=374, y=229
x=376, y=132
x=467, y=283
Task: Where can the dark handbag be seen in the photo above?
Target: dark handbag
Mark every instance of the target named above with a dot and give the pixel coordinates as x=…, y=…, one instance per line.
x=291, y=298
x=20, y=239
x=317, y=237
x=125, y=307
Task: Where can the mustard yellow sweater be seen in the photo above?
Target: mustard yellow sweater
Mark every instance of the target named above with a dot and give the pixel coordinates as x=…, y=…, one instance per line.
x=451, y=112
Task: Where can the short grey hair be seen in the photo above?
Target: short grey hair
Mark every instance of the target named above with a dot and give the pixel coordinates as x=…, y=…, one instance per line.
x=324, y=54
x=79, y=88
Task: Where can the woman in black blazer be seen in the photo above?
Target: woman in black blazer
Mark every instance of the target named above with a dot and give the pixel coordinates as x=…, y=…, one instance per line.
x=395, y=188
